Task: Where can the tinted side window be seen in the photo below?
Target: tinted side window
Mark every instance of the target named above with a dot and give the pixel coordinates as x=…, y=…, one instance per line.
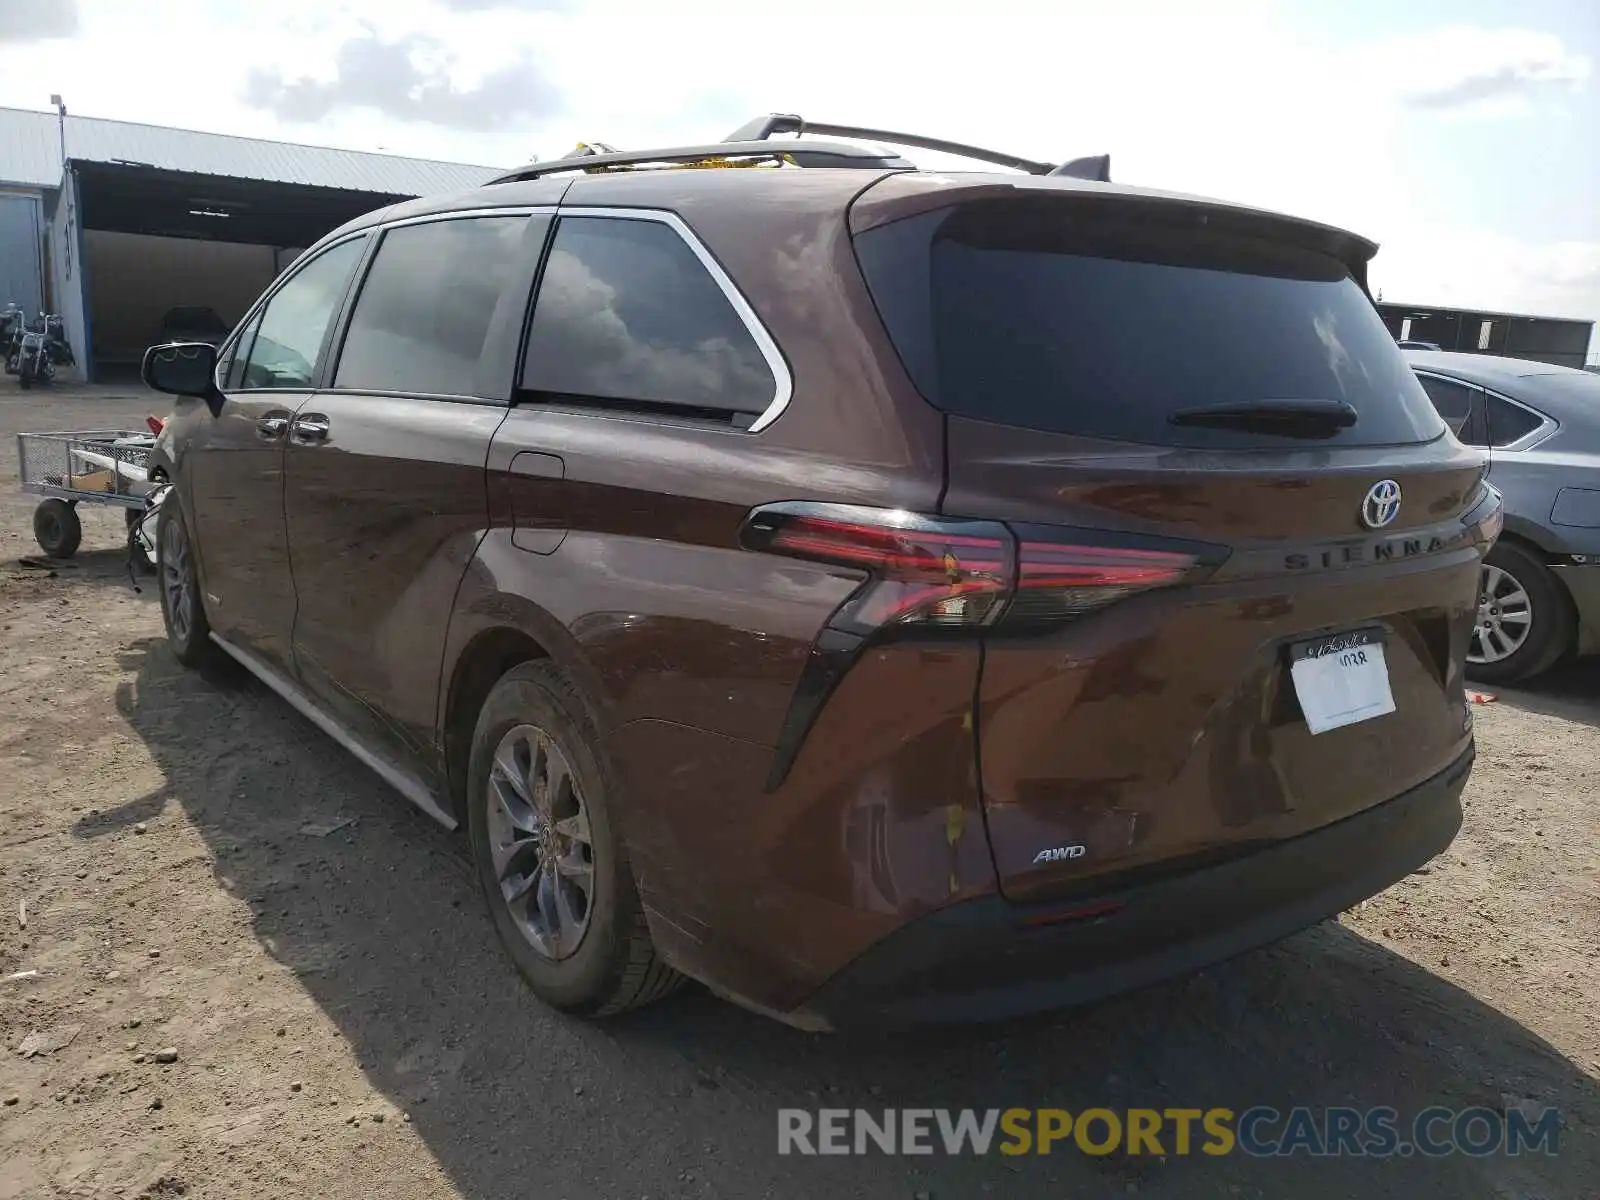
x=1453, y=400
x=281, y=349
x=420, y=320
x=230, y=360
x=627, y=313
x=1476, y=432
x=1508, y=422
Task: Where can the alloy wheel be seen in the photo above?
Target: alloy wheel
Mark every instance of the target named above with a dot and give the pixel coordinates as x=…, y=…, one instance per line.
x=1505, y=617
x=538, y=826
x=175, y=579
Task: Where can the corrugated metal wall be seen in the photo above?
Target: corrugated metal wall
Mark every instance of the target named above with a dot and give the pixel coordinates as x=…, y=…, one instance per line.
x=30, y=153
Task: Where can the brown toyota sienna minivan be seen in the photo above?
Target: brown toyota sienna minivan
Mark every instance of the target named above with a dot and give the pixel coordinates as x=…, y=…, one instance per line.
x=882, y=595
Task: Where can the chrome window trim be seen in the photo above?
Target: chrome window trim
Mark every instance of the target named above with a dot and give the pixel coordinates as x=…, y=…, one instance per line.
x=783, y=381
x=467, y=214
x=454, y=214
x=1546, y=428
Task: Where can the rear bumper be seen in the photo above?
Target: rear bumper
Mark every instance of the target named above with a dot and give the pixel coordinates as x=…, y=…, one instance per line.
x=982, y=960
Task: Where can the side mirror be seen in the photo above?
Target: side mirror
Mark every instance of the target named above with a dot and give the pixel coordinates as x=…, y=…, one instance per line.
x=183, y=369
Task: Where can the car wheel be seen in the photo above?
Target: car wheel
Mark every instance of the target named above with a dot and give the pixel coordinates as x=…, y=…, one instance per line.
x=182, y=610
x=549, y=855
x=1525, y=620
x=56, y=528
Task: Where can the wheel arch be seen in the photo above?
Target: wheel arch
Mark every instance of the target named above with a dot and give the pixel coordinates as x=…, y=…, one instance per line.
x=1550, y=558
x=1532, y=536
x=1565, y=620
x=481, y=664
x=489, y=635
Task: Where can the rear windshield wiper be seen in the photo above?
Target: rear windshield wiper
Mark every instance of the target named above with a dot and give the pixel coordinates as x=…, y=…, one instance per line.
x=1287, y=418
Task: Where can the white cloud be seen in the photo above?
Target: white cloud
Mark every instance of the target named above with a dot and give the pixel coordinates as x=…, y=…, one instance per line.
x=1231, y=98
x=28, y=21
x=1479, y=70
x=408, y=79
x=1456, y=266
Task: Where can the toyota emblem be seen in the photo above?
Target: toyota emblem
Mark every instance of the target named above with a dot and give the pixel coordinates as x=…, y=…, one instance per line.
x=1382, y=504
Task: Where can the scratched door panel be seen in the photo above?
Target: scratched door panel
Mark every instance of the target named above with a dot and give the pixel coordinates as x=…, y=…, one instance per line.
x=383, y=516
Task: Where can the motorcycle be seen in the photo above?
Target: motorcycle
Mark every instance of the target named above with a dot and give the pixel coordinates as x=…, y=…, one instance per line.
x=13, y=322
x=38, y=347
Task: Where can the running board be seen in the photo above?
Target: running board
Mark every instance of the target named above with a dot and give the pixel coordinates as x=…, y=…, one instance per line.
x=407, y=784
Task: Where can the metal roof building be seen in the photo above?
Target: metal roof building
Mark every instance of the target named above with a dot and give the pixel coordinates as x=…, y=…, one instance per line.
x=1563, y=341
x=135, y=220
x=30, y=156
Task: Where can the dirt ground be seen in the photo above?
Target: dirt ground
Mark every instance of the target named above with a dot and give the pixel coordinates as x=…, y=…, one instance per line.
x=343, y=1024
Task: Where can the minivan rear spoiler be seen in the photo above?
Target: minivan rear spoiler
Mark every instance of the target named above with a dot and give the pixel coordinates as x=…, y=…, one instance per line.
x=896, y=197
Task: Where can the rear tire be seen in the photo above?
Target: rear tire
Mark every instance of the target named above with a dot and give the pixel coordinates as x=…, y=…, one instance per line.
x=610, y=964
x=1514, y=573
x=183, y=609
x=57, y=529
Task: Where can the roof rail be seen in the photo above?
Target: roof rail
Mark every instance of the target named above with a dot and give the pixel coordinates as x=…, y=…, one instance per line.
x=1095, y=167
x=802, y=154
x=751, y=143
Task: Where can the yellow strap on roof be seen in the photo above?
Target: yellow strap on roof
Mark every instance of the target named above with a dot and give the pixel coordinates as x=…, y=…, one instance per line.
x=716, y=161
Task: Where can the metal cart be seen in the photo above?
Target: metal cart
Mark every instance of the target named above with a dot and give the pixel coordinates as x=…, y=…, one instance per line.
x=103, y=466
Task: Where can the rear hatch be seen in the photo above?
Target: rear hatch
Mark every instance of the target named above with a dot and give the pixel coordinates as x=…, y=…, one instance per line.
x=1216, y=464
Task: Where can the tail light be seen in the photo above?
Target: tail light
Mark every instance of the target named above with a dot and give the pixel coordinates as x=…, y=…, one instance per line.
x=1485, y=519
x=942, y=573
x=924, y=574
x=155, y=424
x=920, y=571
x=1058, y=581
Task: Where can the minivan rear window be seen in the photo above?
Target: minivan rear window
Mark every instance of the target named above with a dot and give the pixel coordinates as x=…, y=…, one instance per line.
x=1034, y=314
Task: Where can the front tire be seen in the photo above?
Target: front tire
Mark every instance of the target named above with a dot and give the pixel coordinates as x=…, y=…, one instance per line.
x=1526, y=622
x=549, y=855
x=183, y=611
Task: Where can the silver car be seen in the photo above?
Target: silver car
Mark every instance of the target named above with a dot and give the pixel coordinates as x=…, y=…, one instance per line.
x=1540, y=600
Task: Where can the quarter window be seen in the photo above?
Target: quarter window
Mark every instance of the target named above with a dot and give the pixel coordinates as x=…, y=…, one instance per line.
x=228, y=359
x=283, y=346
x=424, y=311
x=628, y=315
x=1509, y=422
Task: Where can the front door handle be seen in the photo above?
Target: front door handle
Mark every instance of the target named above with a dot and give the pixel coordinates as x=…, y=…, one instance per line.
x=309, y=429
x=270, y=427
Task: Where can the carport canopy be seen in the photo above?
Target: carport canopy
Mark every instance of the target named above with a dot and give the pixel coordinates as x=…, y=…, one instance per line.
x=125, y=197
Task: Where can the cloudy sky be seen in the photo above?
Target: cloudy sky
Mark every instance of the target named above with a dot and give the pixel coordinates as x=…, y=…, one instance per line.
x=1464, y=135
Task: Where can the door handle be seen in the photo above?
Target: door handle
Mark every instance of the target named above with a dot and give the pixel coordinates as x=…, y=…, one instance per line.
x=309, y=429
x=270, y=428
